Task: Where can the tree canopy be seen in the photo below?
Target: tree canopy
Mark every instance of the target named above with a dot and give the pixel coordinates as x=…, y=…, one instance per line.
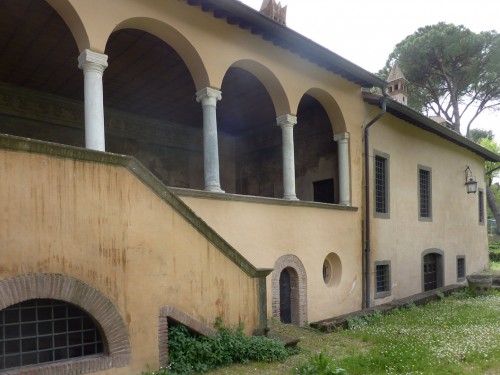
x=451, y=70
x=477, y=134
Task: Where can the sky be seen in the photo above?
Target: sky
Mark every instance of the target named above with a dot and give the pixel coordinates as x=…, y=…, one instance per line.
x=365, y=32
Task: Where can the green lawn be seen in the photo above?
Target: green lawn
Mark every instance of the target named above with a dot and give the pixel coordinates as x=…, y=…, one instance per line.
x=452, y=336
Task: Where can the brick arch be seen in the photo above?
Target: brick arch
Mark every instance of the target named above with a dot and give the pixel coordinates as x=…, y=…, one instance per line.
x=299, y=283
x=65, y=288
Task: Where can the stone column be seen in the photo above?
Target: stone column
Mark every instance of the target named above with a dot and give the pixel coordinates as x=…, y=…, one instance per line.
x=342, y=140
x=93, y=65
x=286, y=122
x=208, y=98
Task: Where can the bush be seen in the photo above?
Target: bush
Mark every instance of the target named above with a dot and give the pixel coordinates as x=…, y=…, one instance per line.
x=190, y=352
x=494, y=247
x=319, y=364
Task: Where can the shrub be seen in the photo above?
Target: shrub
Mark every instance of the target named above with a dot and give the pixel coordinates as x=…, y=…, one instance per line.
x=319, y=364
x=357, y=322
x=190, y=352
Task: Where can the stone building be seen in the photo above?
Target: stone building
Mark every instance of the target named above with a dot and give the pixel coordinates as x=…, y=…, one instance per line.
x=183, y=160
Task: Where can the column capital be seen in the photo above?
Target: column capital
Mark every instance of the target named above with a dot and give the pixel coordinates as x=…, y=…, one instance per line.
x=341, y=137
x=208, y=96
x=90, y=60
x=286, y=120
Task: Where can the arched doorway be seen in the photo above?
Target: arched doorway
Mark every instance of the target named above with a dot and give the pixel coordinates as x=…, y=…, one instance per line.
x=285, y=297
x=432, y=269
x=289, y=290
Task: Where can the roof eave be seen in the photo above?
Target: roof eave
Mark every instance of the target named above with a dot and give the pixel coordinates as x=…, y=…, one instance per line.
x=417, y=119
x=245, y=17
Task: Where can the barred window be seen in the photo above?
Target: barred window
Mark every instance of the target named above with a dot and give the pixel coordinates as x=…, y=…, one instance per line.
x=381, y=186
x=424, y=180
x=382, y=279
x=481, y=206
x=43, y=330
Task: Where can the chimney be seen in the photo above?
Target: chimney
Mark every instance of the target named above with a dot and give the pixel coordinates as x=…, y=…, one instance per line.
x=274, y=10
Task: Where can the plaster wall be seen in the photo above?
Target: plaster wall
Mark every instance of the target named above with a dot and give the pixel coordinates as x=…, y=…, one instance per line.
x=101, y=225
x=454, y=228
x=264, y=231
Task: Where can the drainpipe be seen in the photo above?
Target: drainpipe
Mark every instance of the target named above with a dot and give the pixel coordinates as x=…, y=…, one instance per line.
x=367, y=285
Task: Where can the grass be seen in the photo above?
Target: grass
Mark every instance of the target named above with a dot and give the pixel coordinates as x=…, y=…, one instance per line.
x=458, y=335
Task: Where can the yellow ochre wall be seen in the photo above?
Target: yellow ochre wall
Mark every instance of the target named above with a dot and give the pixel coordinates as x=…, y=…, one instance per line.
x=454, y=228
x=263, y=232
x=100, y=224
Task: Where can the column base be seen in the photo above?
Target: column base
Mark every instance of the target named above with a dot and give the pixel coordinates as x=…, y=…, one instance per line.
x=290, y=198
x=345, y=203
x=214, y=189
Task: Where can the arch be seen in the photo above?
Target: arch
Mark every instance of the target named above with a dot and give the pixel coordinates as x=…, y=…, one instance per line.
x=177, y=41
x=73, y=21
x=65, y=288
x=298, y=281
x=332, y=109
x=432, y=278
x=270, y=82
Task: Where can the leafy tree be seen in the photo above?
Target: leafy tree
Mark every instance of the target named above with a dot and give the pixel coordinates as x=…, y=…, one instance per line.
x=451, y=70
x=477, y=134
x=492, y=171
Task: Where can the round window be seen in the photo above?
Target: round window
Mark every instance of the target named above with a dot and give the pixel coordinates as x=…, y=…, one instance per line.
x=332, y=269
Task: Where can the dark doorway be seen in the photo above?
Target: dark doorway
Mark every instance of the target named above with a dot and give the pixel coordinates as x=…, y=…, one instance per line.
x=323, y=191
x=432, y=271
x=285, y=297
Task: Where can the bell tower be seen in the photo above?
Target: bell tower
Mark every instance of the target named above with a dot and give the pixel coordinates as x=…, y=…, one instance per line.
x=274, y=10
x=397, y=85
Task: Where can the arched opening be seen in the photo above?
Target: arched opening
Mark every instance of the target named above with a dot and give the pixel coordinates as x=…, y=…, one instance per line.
x=150, y=108
x=247, y=114
x=40, y=331
x=432, y=269
x=286, y=296
x=77, y=305
x=316, y=154
x=289, y=290
x=41, y=87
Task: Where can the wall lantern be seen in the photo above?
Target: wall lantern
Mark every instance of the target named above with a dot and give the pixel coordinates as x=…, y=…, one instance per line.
x=470, y=183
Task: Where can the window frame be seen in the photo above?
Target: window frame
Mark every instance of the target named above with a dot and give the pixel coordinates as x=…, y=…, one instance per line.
x=388, y=291
x=419, y=194
x=481, y=211
x=461, y=278
x=64, y=331
x=386, y=157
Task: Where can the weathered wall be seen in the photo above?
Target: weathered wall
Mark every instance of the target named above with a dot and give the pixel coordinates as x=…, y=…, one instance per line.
x=454, y=228
x=100, y=224
x=265, y=230
x=174, y=153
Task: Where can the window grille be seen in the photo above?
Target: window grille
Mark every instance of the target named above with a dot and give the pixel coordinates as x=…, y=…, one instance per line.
x=43, y=330
x=382, y=278
x=424, y=193
x=380, y=184
x=481, y=206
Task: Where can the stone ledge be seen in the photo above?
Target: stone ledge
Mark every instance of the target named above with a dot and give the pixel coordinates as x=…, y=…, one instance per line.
x=183, y=192
x=340, y=322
